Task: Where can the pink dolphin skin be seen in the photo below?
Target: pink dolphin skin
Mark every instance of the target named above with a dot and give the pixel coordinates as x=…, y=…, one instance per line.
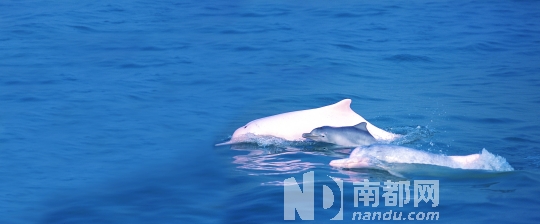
x=290, y=126
x=365, y=162
x=379, y=155
x=371, y=156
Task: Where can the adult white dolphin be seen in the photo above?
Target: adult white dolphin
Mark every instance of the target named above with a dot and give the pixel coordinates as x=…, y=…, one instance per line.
x=380, y=156
x=290, y=126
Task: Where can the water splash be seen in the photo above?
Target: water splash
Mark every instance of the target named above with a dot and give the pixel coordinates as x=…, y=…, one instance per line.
x=489, y=161
x=413, y=135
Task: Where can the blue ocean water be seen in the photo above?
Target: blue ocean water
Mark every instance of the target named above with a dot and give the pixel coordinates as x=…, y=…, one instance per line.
x=109, y=111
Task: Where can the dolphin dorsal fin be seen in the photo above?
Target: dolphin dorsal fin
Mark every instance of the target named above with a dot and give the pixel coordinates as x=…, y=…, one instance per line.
x=343, y=105
x=361, y=126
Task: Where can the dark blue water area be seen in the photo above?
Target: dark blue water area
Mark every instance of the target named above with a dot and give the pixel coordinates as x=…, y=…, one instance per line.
x=110, y=110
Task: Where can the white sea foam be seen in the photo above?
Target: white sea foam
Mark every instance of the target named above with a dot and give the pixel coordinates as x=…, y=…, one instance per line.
x=489, y=161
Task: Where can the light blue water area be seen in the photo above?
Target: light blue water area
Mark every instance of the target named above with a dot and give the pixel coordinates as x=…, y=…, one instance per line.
x=109, y=111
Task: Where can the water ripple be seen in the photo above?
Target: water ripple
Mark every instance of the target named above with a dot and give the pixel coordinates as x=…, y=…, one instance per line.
x=408, y=58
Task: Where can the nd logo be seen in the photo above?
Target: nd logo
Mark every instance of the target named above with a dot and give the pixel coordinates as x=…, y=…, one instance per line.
x=303, y=201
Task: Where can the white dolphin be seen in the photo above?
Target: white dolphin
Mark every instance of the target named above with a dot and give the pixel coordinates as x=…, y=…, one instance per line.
x=380, y=156
x=290, y=126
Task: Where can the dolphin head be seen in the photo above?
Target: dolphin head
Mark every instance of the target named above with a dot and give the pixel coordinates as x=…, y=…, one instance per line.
x=251, y=127
x=320, y=134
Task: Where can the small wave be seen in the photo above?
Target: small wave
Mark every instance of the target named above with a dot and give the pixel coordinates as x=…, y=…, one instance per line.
x=488, y=47
x=408, y=58
x=347, y=15
x=346, y=47
x=246, y=48
x=519, y=139
x=251, y=15
x=30, y=99
x=489, y=120
x=83, y=28
x=535, y=160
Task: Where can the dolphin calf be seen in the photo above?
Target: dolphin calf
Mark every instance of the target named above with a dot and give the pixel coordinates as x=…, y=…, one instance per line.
x=290, y=126
x=351, y=136
x=379, y=156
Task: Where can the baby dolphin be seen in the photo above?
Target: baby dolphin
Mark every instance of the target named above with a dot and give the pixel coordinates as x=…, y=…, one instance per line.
x=349, y=136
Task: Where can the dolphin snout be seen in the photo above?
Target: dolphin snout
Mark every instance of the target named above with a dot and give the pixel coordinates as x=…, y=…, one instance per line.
x=308, y=135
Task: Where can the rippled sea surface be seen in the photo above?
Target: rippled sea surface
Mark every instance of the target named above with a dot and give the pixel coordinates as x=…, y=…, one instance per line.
x=110, y=110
